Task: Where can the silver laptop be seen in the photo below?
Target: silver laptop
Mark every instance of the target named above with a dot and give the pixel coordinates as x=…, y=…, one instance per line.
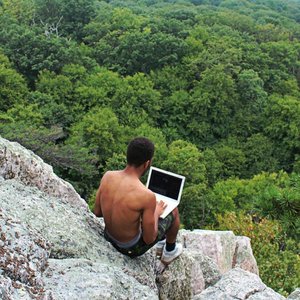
x=166, y=186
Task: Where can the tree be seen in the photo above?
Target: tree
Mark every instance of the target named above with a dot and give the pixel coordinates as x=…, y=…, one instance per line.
x=283, y=61
x=213, y=166
x=184, y=158
x=66, y=18
x=220, y=199
x=100, y=133
x=173, y=115
x=13, y=88
x=54, y=113
x=97, y=89
x=271, y=195
x=280, y=201
x=221, y=49
x=283, y=128
x=112, y=22
x=27, y=113
x=136, y=101
x=150, y=51
x=59, y=87
x=259, y=154
x=212, y=105
x=169, y=79
x=194, y=207
x=31, y=51
x=22, y=10
x=142, y=94
x=74, y=72
x=232, y=161
x=253, y=99
x=73, y=163
x=236, y=21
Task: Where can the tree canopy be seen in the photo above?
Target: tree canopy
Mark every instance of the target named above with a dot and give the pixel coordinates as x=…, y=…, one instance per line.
x=214, y=83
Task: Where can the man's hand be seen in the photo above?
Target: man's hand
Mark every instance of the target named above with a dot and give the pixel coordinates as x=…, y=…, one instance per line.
x=160, y=207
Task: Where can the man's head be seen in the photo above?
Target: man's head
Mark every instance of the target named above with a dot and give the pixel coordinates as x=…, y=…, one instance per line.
x=140, y=153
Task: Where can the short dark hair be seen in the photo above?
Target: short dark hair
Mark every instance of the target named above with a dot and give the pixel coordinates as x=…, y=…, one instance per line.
x=139, y=151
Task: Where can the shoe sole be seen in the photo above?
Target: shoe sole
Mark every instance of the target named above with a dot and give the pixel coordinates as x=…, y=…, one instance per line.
x=168, y=262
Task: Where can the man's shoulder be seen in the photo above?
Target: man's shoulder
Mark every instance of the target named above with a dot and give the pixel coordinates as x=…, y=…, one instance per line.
x=110, y=174
x=106, y=178
x=146, y=195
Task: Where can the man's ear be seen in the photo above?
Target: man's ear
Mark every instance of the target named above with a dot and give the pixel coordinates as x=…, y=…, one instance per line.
x=147, y=164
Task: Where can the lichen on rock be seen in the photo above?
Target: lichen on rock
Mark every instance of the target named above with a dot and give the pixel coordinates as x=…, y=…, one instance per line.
x=24, y=256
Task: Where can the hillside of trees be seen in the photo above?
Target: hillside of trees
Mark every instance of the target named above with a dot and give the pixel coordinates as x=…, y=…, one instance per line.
x=214, y=83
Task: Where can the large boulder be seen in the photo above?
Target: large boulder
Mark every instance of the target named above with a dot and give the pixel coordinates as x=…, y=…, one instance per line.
x=295, y=295
x=189, y=275
x=16, y=162
x=243, y=255
x=223, y=247
x=71, y=231
x=239, y=284
x=52, y=246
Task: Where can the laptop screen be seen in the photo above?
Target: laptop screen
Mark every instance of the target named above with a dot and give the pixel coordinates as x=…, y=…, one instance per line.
x=165, y=184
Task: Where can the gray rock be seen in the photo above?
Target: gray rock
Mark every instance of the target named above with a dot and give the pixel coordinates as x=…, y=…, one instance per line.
x=189, y=275
x=23, y=257
x=73, y=232
x=12, y=290
x=15, y=290
x=243, y=256
x=209, y=269
x=23, y=253
x=239, y=284
x=6, y=288
x=84, y=279
x=266, y=294
x=295, y=295
x=67, y=228
x=223, y=247
x=218, y=245
x=16, y=162
x=176, y=280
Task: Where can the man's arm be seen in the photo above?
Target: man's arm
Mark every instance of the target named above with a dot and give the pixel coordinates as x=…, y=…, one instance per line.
x=151, y=215
x=97, y=208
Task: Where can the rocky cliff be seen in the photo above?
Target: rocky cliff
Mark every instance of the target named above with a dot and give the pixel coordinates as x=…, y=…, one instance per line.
x=52, y=247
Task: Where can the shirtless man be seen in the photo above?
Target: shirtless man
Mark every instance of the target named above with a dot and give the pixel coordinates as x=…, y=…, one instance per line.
x=131, y=212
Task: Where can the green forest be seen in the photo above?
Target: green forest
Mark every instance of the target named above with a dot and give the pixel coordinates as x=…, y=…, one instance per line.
x=213, y=83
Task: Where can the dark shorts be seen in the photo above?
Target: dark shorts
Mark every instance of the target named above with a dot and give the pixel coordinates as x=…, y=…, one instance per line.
x=141, y=247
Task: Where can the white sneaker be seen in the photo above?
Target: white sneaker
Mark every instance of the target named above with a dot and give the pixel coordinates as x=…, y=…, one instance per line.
x=159, y=248
x=168, y=256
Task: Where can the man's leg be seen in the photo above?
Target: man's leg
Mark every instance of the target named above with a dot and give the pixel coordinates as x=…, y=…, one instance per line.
x=171, y=234
x=172, y=249
x=168, y=225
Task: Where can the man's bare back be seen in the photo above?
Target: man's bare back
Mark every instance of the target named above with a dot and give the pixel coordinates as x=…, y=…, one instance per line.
x=123, y=200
